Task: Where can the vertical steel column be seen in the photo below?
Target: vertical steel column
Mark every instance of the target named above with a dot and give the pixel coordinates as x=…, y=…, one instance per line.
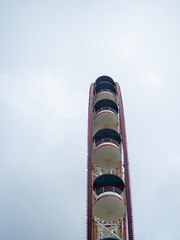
x=89, y=164
x=90, y=224
x=126, y=162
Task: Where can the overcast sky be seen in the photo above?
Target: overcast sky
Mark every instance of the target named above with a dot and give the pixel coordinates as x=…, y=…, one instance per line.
x=50, y=52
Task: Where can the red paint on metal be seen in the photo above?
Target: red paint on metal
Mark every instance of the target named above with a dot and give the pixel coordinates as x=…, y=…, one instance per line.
x=109, y=195
x=105, y=93
x=90, y=222
x=104, y=145
x=126, y=162
x=89, y=165
x=124, y=228
x=106, y=111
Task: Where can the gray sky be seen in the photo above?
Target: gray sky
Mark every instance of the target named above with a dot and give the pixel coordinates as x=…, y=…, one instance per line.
x=50, y=52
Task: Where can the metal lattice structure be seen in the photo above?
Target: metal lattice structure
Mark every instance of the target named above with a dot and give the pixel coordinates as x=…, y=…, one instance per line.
x=109, y=207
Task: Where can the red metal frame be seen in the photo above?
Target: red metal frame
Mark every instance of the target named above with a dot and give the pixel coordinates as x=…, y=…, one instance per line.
x=126, y=163
x=90, y=224
x=90, y=165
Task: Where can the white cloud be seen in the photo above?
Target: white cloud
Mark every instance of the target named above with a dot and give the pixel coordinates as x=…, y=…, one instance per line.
x=44, y=100
x=151, y=79
x=44, y=112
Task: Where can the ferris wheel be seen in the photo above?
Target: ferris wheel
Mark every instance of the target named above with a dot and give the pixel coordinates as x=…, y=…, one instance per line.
x=109, y=207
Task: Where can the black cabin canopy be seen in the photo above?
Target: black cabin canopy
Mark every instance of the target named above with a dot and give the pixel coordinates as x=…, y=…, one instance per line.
x=104, y=79
x=105, y=103
x=107, y=133
x=105, y=86
x=106, y=180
